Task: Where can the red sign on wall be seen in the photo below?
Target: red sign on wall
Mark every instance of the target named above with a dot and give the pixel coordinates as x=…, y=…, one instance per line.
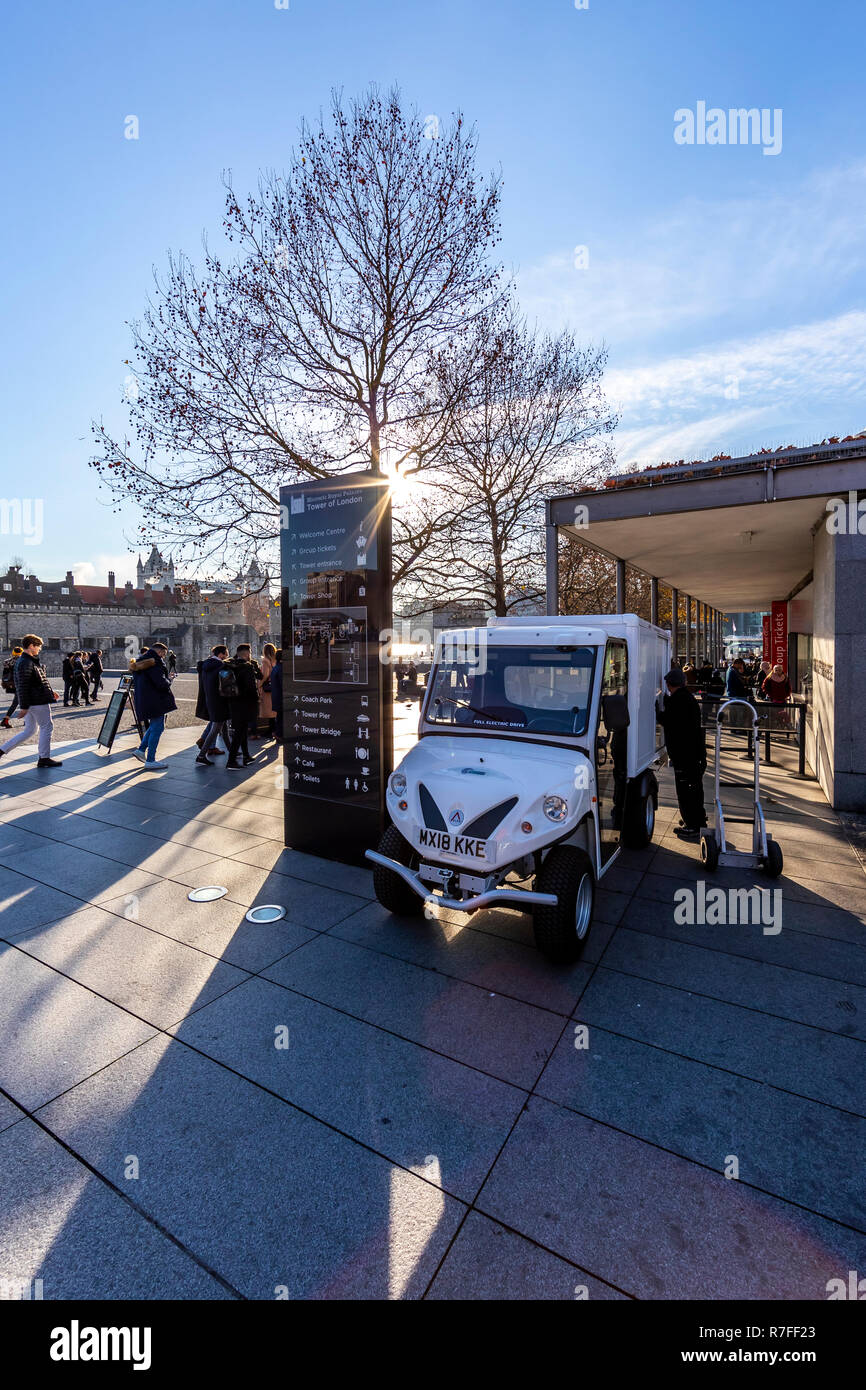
x=766, y=626
x=779, y=636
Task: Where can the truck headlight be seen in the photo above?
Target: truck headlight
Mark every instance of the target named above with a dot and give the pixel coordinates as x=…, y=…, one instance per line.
x=398, y=783
x=555, y=808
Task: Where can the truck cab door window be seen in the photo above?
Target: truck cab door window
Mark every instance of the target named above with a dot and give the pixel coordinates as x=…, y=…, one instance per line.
x=611, y=744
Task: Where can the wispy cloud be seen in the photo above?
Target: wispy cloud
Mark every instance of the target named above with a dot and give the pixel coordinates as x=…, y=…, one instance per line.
x=729, y=326
x=709, y=262
x=777, y=388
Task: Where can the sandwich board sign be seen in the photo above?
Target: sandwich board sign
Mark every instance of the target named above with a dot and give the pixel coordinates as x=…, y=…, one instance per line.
x=335, y=544
x=114, y=713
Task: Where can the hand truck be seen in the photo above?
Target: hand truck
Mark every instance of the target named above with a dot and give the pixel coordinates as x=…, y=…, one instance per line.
x=765, y=852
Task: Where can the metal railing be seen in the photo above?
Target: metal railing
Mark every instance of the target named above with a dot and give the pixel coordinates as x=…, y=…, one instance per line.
x=775, y=721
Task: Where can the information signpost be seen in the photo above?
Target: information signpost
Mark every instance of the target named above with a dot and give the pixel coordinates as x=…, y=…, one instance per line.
x=335, y=537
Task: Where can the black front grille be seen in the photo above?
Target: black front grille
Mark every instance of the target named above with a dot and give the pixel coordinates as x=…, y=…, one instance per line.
x=433, y=818
x=486, y=823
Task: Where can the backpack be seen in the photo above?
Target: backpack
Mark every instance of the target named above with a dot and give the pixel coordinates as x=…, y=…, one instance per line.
x=7, y=680
x=228, y=683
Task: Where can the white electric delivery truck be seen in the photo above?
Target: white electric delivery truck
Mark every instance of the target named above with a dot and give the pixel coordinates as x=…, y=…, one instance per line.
x=535, y=763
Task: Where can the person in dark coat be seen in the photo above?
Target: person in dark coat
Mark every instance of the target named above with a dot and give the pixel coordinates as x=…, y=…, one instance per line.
x=680, y=717
x=216, y=709
x=35, y=697
x=80, y=679
x=95, y=673
x=153, y=701
x=68, y=673
x=277, y=695
x=244, y=707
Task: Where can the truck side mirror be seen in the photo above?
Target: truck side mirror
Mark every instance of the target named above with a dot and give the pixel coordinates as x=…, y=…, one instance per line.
x=614, y=712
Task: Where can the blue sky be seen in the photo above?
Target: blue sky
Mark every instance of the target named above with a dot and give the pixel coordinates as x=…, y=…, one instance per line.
x=728, y=284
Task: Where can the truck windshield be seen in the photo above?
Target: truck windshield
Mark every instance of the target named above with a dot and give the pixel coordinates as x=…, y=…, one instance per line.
x=543, y=690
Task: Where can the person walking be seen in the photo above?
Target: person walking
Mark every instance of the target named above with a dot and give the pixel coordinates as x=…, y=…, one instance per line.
x=266, y=706
x=35, y=698
x=8, y=682
x=243, y=703
x=216, y=708
x=153, y=701
x=94, y=670
x=80, y=683
x=680, y=718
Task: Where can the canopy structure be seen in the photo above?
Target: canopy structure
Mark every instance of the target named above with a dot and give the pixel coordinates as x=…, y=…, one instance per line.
x=741, y=534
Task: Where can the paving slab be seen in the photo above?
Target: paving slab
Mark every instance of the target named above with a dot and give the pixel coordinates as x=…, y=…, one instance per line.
x=72, y=870
x=24, y=903
x=325, y=872
x=60, y=1224
x=805, y=1061
x=160, y=854
x=154, y=977
x=654, y=1224
x=707, y=1114
x=54, y=1032
x=491, y=962
x=308, y=904
x=259, y=1192
x=488, y=1262
x=498, y=1035
x=817, y=891
x=796, y=950
x=218, y=928
x=834, y=1005
x=10, y=1113
x=402, y=1100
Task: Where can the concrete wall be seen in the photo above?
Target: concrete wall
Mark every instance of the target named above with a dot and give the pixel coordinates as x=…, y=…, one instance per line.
x=836, y=747
x=850, y=673
x=112, y=629
x=821, y=741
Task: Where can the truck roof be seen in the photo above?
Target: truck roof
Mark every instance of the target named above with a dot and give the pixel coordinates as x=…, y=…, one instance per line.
x=589, y=629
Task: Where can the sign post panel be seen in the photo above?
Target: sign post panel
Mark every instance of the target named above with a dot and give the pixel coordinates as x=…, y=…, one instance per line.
x=335, y=542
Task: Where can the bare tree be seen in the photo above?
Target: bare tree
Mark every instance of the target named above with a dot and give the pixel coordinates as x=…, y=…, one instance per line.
x=534, y=424
x=310, y=349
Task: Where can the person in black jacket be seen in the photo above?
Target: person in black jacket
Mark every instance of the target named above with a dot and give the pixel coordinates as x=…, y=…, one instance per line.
x=735, y=680
x=680, y=717
x=35, y=698
x=215, y=707
x=94, y=671
x=244, y=706
x=68, y=673
x=80, y=679
x=153, y=701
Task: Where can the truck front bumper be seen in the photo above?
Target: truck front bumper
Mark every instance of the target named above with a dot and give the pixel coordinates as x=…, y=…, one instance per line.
x=503, y=897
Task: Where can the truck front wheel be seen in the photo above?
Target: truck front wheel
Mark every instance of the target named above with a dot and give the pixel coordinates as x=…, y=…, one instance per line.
x=561, y=932
x=391, y=890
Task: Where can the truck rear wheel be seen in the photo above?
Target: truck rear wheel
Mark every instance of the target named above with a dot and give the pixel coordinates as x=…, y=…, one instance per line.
x=561, y=932
x=391, y=891
x=639, y=821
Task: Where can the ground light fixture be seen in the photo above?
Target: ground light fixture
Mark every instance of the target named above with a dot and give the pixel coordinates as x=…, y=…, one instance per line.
x=267, y=912
x=208, y=894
